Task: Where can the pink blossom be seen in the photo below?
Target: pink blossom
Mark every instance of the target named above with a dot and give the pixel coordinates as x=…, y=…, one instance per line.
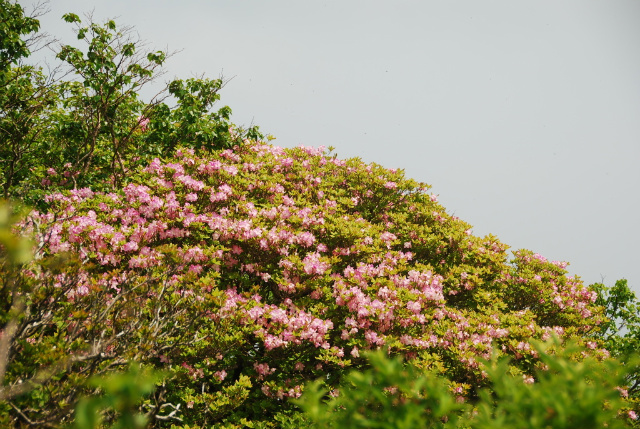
x=527, y=379
x=143, y=123
x=196, y=269
x=373, y=338
x=314, y=265
x=130, y=246
x=388, y=236
x=263, y=368
x=306, y=238
x=231, y=169
x=623, y=392
x=414, y=306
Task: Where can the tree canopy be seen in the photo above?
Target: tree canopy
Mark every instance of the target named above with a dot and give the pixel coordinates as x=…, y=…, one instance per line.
x=253, y=270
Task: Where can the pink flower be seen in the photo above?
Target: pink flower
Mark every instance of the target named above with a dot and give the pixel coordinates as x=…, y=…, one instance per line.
x=305, y=238
x=231, y=169
x=387, y=236
x=130, y=246
x=313, y=264
x=414, y=307
x=632, y=415
x=196, y=269
x=190, y=183
x=623, y=392
x=373, y=338
x=527, y=379
x=263, y=368
x=391, y=185
x=143, y=123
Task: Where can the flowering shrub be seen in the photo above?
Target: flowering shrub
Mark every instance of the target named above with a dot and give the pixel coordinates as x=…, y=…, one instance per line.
x=248, y=272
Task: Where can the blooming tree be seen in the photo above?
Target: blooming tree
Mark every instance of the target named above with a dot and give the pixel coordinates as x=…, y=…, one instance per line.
x=247, y=272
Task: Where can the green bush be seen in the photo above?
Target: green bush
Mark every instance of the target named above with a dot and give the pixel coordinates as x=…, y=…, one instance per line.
x=118, y=394
x=391, y=394
x=563, y=393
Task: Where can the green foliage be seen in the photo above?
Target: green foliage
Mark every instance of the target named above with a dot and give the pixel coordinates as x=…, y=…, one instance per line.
x=566, y=393
x=569, y=391
x=621, y=332
x=391, y=394
x=28, y=100
x=15, y=248
x=25, y=97
x=95, y=129
x=191, y=120
x=14, y=25
x=120, y=395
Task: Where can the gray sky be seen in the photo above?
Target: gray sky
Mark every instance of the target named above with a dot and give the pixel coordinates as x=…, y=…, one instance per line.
x=524, y=116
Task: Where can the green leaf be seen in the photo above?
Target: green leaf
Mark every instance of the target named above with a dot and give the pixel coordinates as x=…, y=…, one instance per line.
x=71, y=18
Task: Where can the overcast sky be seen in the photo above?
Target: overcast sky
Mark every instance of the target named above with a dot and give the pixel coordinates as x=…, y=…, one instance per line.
x=523, y=116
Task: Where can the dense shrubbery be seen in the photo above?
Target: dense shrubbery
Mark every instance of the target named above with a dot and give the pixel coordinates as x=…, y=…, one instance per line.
x=243, y=271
